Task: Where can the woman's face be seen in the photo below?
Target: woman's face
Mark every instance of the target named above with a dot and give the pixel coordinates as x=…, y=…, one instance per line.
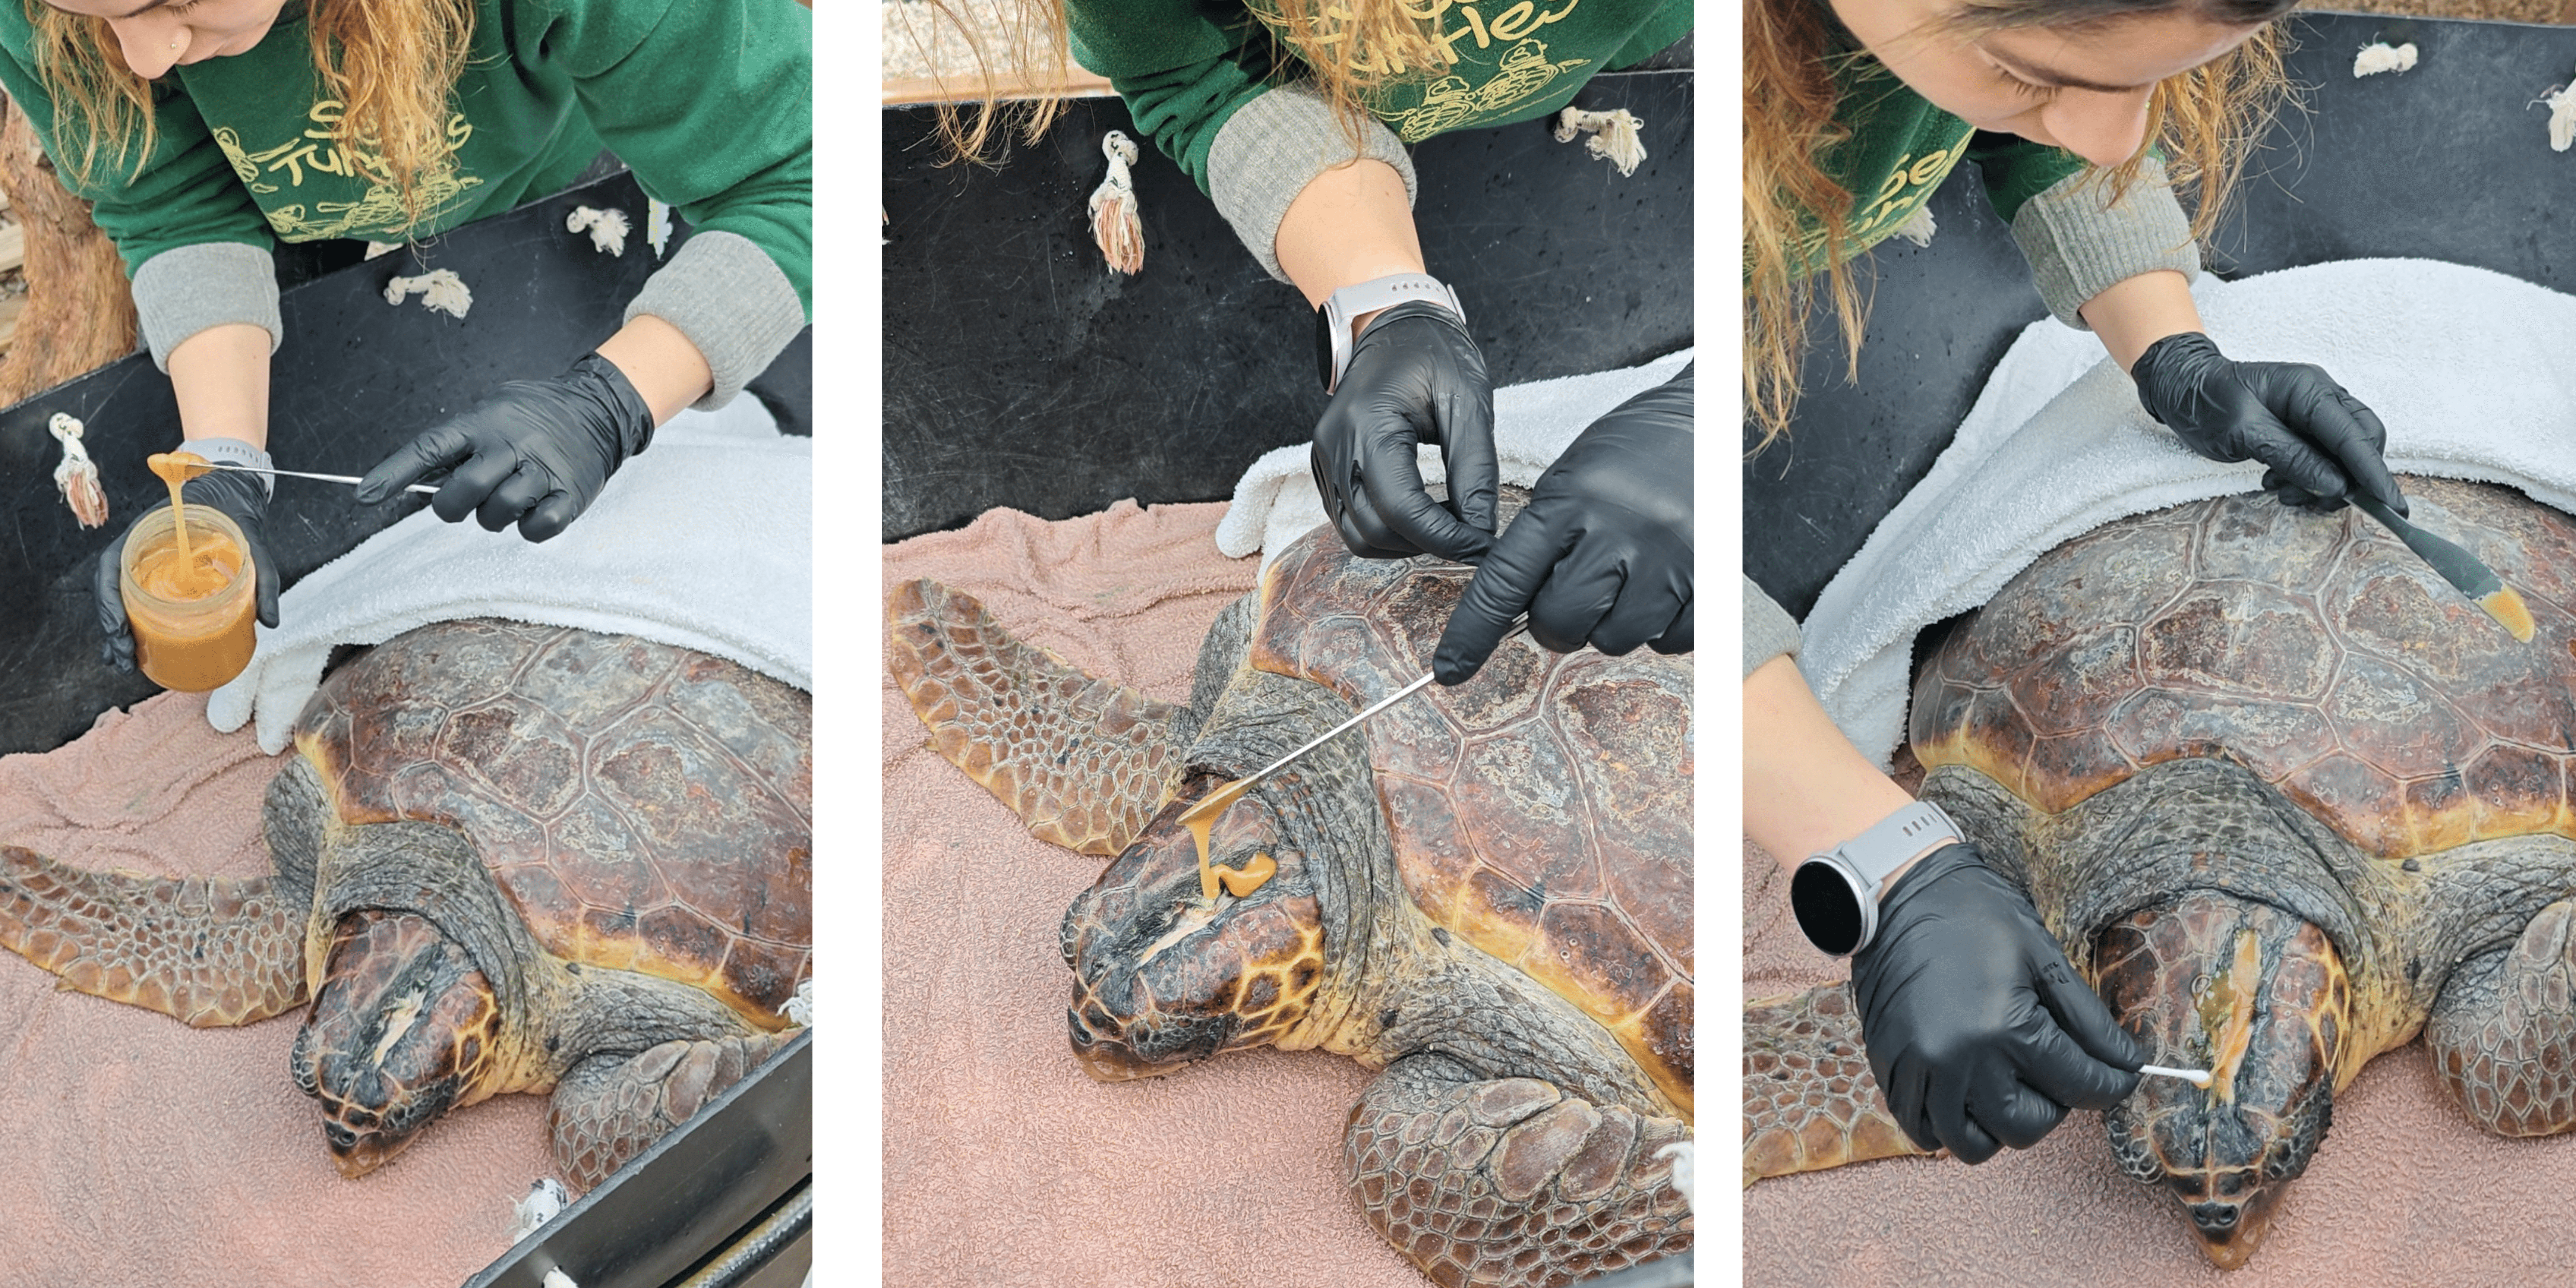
x=2080, y=88
x=158, y=35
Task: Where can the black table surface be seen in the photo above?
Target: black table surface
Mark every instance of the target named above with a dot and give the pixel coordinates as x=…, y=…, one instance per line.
x=1020, y=371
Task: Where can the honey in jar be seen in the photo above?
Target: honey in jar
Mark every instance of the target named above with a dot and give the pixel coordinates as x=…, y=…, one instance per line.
x=190, y=590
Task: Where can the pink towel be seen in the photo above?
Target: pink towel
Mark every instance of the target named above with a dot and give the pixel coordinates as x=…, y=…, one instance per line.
x=1004, y=1164
x=141, y=1151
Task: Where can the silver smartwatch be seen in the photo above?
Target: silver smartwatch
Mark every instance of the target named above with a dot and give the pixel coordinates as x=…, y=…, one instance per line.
x=1333, y=321
x=1835, y=894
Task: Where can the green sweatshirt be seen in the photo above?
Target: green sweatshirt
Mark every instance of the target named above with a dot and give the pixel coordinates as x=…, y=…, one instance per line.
x=707, y=101
x=1900, y=150
x=1197, y=75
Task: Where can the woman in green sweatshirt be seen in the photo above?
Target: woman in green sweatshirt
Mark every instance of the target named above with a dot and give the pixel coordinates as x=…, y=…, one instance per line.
x=204, y=131
x=1294, y=119
x=1977, y=1029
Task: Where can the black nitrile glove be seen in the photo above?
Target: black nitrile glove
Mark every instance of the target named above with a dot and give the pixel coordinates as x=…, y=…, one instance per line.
x=244, y=499
x=1978, y=1030
x=2320, y=443
x=1602, y=554
x=1414, y=377
x=533, y=452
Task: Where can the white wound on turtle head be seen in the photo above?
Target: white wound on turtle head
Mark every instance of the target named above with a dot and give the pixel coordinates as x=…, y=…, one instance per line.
x=398, y=1021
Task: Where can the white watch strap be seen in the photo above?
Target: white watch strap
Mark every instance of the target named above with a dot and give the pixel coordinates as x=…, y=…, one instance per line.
x=1895, y=839
x=1369, y=297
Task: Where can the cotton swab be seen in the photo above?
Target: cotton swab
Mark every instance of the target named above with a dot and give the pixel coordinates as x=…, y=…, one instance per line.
x=2197, y=1077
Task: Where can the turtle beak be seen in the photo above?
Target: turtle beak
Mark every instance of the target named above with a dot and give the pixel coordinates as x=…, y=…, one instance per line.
x=2231, y=1231
x=1105, y=1059
x=357, y=1153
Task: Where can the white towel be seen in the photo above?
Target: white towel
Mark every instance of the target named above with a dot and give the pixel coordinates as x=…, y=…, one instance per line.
x=705, y=541
x=1275, y=502
x=2469, y=370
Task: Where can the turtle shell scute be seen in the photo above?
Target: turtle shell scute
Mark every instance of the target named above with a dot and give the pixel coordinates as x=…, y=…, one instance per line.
x=2317, y=651
x=1541, y=811
x=644, y=807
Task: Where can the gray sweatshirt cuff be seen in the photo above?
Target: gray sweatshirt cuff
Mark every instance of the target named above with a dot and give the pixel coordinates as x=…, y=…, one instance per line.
x=2078, y=247
x=234, y=451
x=180, y=292
x=1769, y=631
x=1275, y=145
x=733, y=302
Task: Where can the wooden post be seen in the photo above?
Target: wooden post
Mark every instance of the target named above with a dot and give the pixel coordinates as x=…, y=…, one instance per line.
x=79, y=312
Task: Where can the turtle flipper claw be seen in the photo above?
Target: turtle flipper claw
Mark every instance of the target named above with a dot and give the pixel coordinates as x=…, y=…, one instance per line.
x=210, y=952
x=610, y=1107
x=1527, y=1183
x=1809, y=1100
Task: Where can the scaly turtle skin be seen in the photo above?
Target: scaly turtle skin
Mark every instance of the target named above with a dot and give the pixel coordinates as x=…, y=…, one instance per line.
x=1486, y=893
x=506, y=858
x=2288, y=800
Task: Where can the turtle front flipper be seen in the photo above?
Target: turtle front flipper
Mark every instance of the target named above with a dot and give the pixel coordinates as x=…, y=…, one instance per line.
x=210, y=952
x=1085, y=762
x=2503, y=1034
x=1509, y=1182
x=610, y=1107
x=1809, y=1100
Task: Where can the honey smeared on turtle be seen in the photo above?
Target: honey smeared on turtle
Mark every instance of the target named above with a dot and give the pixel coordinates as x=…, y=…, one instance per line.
x=2226, y=1006
x=1200, y=819
x=2507, y=608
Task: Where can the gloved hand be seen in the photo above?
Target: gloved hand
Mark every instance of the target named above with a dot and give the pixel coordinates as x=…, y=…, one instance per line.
x=1414, y=377
x=1979, y=1032
x=2321, y=443
x=533, y=452
x=244, y=499
x=1602, y=554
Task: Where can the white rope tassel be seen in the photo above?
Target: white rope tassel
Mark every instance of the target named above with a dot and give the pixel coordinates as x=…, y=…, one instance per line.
x=440, y=291
x=1615, y=135
x=800, y=1008
x=77, y=477
x=2374, y=59
x=2562, y=116
x=1918, y=227
x=1115, y=224
x=607, y=228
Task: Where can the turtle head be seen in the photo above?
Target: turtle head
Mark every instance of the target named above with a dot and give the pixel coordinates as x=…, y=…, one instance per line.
x=402, y=1029
x=2256, y=996
x=1163, y=973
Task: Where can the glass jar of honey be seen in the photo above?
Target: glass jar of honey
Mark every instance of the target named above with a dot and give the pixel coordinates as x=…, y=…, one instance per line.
x=194, y=629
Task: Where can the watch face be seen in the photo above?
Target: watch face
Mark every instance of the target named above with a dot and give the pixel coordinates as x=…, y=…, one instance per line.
x=1324, y=347
x=1828, y=908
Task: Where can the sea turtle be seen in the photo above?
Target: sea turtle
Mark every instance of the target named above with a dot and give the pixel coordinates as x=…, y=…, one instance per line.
x=2287, y=799
x=504, y=858
x=1486, y=892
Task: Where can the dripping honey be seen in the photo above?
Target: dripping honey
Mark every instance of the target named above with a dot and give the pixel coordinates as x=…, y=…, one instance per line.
x=188, y=585
x=1200, y=821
